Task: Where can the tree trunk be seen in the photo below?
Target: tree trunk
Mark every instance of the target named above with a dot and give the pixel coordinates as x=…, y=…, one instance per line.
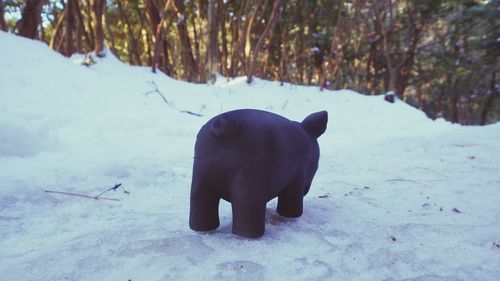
x=69, y=25
x=212, y=50
x=57, y=32
x=265, y=61
x=407, y=62
x=153, y=14
x=248, y=37
x=370, y=66
x=238, y=40
x=488, y=102
x=284, y=59
x=154, y=19
x=31, y=18
x=110, y=34
x=222, y=27
x=88, y=17
x=146, y=38
x=452, y=97
x=299, y=39
x=185, y=43
x=333, y=59
x=3, y=24
x=78, y=11
x=391, y=63
x=159, y=34
x=98, y=7
x=268, y=30
x=167, y=65
x=78, y=29
x=199, y=66
x=133, y=51
x=393, y=72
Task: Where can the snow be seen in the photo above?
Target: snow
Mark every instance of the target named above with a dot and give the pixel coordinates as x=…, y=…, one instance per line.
x=397, y=196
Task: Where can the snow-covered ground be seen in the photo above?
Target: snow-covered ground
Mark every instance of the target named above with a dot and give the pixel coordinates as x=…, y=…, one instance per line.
x=397, y=196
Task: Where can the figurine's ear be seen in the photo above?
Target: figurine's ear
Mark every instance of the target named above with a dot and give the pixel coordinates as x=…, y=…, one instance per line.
x=315, y=124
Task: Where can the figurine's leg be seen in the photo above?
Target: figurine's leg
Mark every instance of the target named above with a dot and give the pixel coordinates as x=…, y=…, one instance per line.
x=290, y=200
x=249, y=214
x=204, y=207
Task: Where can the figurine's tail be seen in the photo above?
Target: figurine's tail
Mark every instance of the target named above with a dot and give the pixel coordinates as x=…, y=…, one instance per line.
x=224, y=126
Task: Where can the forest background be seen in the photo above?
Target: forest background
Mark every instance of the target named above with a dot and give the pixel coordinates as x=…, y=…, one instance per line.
x=439, y=56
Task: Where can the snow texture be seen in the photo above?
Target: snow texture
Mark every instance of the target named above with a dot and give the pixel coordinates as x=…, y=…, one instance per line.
x=397, y=196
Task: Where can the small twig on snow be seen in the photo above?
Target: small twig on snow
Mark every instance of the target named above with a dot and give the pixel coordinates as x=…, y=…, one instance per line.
x=156, y=90
x=284, y=105
x=326, y=195
x=400, y=179
x=192, y=113
x=97, y=197
x=112, y=188
x=81, y=195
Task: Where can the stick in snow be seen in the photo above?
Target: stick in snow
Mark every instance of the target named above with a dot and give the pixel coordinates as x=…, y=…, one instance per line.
x=156, y=90
x=81, y=195
x=192, y=113
x=97, y=197
x=112, y=188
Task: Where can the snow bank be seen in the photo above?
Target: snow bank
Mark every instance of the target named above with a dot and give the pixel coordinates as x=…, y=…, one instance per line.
x=397, y=196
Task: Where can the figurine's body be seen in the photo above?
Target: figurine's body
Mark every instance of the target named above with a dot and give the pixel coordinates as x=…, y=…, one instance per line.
x=248, y=157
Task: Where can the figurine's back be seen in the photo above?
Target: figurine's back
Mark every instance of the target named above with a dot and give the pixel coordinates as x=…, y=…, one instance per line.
x=248, y=157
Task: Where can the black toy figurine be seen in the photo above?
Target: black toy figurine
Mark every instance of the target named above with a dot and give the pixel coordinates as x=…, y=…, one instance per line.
x=248, y=157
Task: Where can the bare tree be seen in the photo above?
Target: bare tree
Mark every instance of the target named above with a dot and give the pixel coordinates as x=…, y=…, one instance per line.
x=81, y=26
x=87, y=9
x=98, y=8
x=133, y=52
x=153, y=14
x=248, y=34
x=488, y=102
x=159, y=33
x=267, y=34
x=212, y=50
x=238, y=37
x=333, y=60
x=147, y=42
x=439, y=56
x=185, y=42
x=399, y=57
x=223, y=55
x=69, y=27
x=57, y=31
x=31, y=19
x=385, y=29
x=3, y=24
